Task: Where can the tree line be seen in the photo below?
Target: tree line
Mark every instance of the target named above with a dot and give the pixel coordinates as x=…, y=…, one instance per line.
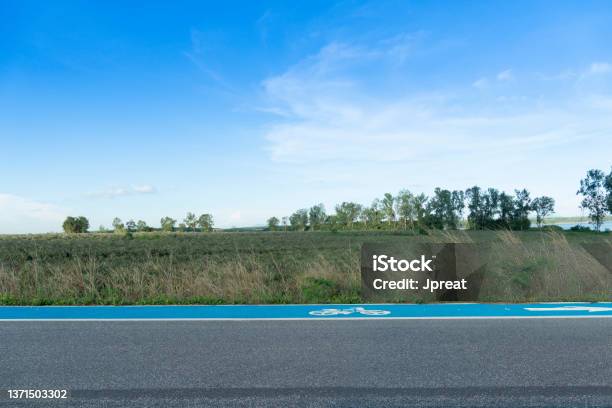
x=191, y=223
x=487, y=209
x=445, y=209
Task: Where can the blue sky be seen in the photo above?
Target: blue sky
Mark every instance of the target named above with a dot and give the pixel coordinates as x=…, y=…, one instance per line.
x=253, y=109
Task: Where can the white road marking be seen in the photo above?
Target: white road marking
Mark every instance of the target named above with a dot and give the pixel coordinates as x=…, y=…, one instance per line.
x=589, y=309
x=242, y=319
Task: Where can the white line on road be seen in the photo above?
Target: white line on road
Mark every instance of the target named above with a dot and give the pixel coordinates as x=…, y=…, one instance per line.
x=241, y=319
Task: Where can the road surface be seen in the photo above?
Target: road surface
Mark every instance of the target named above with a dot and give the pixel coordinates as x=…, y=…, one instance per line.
x=340, y=363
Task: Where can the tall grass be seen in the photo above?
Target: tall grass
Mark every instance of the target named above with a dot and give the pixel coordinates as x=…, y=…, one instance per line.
x=546, y=267
x=274, y=268
x=246, y=279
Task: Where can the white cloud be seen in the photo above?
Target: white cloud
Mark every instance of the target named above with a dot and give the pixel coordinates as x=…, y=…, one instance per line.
x=481, y=83
x=113, y=192
x=23, y=215
x=599, y=68
x=593, y=70
x=330, y=122
x=145, y=189
x=418, y=130
x=327, y=116
x=402, y=46
x=505, y=75
x=235, y=216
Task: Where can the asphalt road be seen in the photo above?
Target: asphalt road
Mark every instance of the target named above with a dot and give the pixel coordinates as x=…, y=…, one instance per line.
x=484, y=363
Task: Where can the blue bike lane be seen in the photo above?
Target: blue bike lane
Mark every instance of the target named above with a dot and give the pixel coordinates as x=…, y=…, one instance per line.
x=309, y=312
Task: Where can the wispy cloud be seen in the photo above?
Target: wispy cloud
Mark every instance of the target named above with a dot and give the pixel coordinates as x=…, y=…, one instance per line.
x=195, y=55
x=327, y=121
x=597, y=71
x=597, y=68
x=329, y=116
x=593, y=70
x=113, y=192
x=201, y=56
x=485, y=83
x=263, y=23
x=481, y=83
x=505, y=75
x=145, y=189
x=21, y=214
x=402, y=46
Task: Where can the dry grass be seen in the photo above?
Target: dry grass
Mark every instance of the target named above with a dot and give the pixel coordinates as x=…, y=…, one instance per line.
x=287, y=268
x=547, y=267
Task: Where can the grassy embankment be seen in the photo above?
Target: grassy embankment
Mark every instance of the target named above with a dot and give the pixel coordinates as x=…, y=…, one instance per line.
x=274, y=267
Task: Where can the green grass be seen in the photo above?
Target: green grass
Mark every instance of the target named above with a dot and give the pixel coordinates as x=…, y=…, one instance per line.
x=272, y=267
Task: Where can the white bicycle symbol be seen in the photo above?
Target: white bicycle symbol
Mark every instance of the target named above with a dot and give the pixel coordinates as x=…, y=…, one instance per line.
x=351, y=310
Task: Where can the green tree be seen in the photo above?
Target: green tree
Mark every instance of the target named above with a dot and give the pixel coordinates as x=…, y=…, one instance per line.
x=273, y=223
x=388, y=202
x=595, y=199
x=332, y=222
x=475, y=206
x=404, y=208
x=543, y=206
x=364, y=217
x=299, y=220
x=142, y=226
x=130, y=226
x=522, y=208
x=445, y=209
x=490, y=207
x=118, y=225
x=347, y=213
x=206, y=222
x=285, y=222
x=608, y=186
x=83, y=224
x=190, y=221
x=374, y=214
x=506, y=210
x=316, y=216
x=167, y=224
x=419, y=203
x=484, y=207
x=458, y=205
x=437, y=208
x=75, y=225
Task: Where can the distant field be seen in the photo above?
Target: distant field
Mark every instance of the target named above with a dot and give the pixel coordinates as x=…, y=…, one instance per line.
x=273, y=267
